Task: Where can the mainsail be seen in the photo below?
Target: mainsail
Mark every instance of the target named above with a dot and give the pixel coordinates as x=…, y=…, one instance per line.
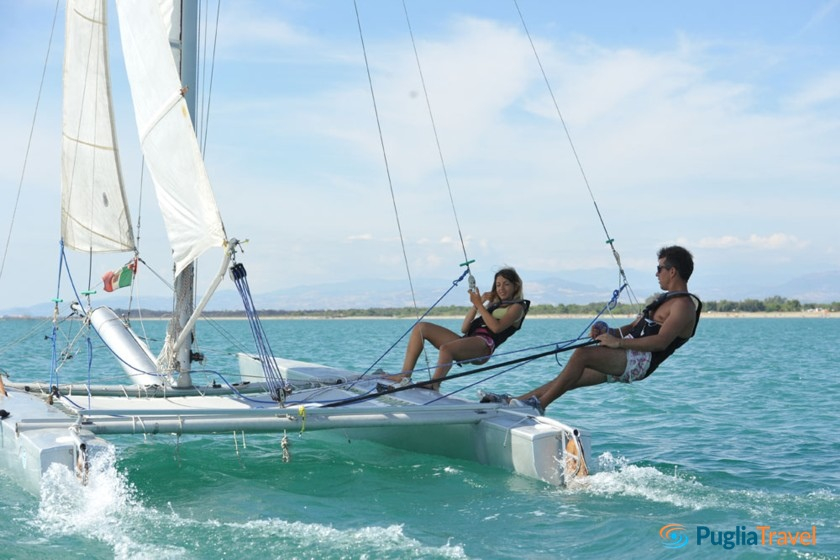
x=94, y=213
x=186, y=200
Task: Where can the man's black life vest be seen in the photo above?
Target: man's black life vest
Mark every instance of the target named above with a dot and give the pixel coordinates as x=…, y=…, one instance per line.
x=648, y=327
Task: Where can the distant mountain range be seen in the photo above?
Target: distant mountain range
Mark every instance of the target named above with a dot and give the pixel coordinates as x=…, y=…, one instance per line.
x=821, y=287
x=812, y=288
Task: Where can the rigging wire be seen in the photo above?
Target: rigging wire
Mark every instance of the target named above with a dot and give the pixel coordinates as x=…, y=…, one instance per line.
x=427, y=99
x=397, y=389
x=384, y=154
x=609, y=240
x=204, y=85
x=209, y=88
x=411, y=328
x=201, y=43
x=29, y=140
x=273, y=376
x=437, y=139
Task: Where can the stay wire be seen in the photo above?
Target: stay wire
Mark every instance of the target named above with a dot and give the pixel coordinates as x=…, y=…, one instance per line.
x=272, y=374
x=384, y=153
x=392, y=390
x=437, y=138
x=29, y=140
x=209, y=88
x=201, y=44
x=479, y=382
x=561, y=345
x=610, y=241
x=411, y=328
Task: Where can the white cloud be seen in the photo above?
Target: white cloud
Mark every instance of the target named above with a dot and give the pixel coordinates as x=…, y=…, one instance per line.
x=774, y=242
x=248, y=24
x=693, y=137
x=823, y=89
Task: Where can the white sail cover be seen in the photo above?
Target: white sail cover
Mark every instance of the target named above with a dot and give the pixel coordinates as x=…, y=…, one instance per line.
x=186, y=200
x=94, y=213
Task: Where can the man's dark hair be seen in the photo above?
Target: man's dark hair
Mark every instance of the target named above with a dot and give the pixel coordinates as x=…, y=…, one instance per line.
x=679, y=258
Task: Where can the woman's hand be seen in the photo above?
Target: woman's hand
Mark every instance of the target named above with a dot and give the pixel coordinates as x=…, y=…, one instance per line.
x=476, y=298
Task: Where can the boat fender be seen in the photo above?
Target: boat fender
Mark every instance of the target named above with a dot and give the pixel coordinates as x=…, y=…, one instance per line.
x=284, y=445
x=302, y=414
x=53, y=395
x=82, y=464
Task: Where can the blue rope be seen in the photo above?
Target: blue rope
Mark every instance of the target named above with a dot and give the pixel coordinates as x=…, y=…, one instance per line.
x=272, y=374
x=89, y=364
x=474, y=383
x=56, y=301
x=54, y=358
x=609, y=306
x=423, y=316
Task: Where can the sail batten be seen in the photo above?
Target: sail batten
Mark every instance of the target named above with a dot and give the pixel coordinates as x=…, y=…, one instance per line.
x=168, y=141
x=94, y=212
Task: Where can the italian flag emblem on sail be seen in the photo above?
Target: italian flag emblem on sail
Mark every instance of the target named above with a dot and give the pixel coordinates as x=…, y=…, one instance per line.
x=120, y=278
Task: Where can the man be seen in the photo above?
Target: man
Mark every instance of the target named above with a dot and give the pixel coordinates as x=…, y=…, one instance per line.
x=632, y=352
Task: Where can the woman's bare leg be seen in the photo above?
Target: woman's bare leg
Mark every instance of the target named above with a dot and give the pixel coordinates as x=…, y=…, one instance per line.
x=422, y=332
x=458, y=350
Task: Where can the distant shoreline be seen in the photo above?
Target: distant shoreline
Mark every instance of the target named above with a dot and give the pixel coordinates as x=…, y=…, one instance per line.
x=711, y=315
x=725, y=315
x=338, y=315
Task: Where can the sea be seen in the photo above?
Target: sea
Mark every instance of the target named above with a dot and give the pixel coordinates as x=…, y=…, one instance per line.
x=735, y=437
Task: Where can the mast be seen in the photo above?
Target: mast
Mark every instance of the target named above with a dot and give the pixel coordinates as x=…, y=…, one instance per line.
x=185, y=19
x=159, y=40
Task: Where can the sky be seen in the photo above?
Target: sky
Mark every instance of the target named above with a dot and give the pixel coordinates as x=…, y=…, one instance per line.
x=713, y=124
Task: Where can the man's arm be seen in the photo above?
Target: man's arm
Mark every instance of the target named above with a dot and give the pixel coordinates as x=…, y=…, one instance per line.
x=676, y=317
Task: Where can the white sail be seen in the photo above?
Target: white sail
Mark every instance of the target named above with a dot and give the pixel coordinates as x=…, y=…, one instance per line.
x=172, y=24
x=169, y=144
x=94, y=213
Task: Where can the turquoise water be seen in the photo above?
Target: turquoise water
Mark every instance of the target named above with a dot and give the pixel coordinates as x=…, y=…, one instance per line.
x=738, y=429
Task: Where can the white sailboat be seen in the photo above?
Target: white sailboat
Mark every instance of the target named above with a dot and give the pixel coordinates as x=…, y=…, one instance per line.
x=50, y=423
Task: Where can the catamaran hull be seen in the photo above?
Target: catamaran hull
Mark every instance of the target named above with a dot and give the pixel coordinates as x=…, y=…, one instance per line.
x=27, y=454
x=511, y=438
x=325, y=400
x=535, y=450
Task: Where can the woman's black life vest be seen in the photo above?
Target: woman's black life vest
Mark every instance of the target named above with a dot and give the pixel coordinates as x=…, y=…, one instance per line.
x=478, y=325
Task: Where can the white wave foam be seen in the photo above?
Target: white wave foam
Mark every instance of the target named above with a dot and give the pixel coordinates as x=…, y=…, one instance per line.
x=617, y=476
x=105, y=510
x=109, y=511
x=366, y=542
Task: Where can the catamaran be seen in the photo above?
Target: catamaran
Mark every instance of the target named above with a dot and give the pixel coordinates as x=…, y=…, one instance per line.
x=51, y=424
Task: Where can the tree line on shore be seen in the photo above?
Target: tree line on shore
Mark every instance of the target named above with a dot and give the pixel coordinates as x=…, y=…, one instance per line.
x=775, y=304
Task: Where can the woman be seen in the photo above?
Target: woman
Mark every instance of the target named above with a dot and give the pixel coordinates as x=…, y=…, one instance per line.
x=484, y=329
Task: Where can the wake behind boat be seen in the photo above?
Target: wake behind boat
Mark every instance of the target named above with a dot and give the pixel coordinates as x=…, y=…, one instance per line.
x=54, y=423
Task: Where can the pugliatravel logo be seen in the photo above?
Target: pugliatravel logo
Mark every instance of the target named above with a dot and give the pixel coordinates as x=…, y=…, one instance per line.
x=673, y=535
